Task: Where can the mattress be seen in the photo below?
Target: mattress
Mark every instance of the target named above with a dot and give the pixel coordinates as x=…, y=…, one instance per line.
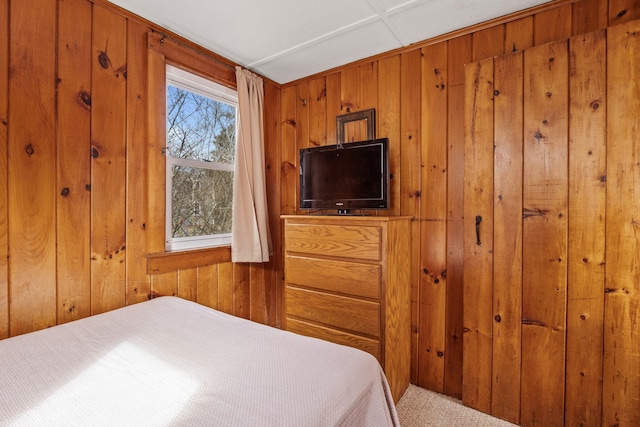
x=170, y=361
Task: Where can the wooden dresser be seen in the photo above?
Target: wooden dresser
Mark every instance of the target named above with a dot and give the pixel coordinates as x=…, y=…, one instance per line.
x=347, y=280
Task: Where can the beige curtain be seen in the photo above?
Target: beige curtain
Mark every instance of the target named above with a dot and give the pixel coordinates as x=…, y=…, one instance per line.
x=251, y=241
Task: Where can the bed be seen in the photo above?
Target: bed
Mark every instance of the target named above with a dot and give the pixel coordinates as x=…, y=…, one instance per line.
x=170, y=361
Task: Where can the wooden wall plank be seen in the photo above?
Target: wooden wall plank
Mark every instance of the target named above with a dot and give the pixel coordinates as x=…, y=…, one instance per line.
x=208, y=285
x=333, y=105
x=545, y=233
x=621, y=375
x=164, y=284
x=32, y=166
x=507, y=237
x=225, y=287
x=108, y=157
x=388, y=123
x=302, y=115
x=552, y=25
x=257, y=294
x=585, y=301
x=74, y=166
x=350, y=90
x=459, y=54
x=621, y=11
x=488, y=42
x=410, y=121
x=478, y=252
x=274, y=273
x=317, y=112
x=369, y=86
x=518, y=34
x=138, y=282
x=368, y=89
x=188, y=284
x=241, y=279
x=289, y=166
x=350, y=101
x=589, y=15
x=433, y=221
x=4, y=168
x=156, y=163
x=410, y=162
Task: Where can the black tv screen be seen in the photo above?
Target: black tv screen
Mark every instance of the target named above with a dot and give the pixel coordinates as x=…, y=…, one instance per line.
x=351, y=176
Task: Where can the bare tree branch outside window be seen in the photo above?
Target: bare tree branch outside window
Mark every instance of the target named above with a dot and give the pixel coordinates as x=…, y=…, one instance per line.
x=202, y=129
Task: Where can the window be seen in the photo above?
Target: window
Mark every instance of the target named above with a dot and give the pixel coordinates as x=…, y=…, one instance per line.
x=200, y=152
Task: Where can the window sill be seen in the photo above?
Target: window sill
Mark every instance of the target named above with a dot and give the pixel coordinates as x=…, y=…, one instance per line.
x=165, y=262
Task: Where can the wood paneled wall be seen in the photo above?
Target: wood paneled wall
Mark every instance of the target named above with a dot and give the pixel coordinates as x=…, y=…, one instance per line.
x=78, y=212
x=418, y=94
x=77, y=220
x=551, y=336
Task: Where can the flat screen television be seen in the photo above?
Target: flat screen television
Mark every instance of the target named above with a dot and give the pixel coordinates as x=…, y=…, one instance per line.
x=351, y=176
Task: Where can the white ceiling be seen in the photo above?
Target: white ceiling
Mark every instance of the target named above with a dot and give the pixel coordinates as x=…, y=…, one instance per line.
x=285, y=40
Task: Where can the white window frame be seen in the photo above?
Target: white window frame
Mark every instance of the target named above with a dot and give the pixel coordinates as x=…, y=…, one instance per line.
x=196, y=84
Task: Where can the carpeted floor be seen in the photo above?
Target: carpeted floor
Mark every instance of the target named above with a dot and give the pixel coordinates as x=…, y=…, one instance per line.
x=419, y=407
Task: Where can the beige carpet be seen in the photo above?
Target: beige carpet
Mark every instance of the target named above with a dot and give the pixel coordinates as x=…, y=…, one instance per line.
x=421, y=407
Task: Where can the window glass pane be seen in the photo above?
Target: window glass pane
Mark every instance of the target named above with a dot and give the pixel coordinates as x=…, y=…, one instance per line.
x=200, y=127
x=201, y=201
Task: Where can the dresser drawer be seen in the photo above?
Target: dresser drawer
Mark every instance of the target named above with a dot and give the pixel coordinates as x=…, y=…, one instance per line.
x=334, y=310
x=334, y=240
x=371, y=346
x=351, y=278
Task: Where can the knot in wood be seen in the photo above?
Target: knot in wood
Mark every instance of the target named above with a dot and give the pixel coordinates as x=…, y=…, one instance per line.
x=103, y=60
x=85, y=97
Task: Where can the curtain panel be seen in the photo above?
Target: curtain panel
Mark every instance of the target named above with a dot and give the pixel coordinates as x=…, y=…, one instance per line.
x=251, y=241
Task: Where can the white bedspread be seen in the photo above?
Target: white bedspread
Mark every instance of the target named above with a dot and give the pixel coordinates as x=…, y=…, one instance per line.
x=170, y=361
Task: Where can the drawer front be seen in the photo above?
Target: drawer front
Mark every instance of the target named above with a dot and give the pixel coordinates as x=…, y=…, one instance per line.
x=371, y=346
x=342, y=312
x=336, y=276
x=334, y=240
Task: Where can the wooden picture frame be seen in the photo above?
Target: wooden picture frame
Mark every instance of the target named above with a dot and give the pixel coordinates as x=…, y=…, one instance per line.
x=350, y=126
